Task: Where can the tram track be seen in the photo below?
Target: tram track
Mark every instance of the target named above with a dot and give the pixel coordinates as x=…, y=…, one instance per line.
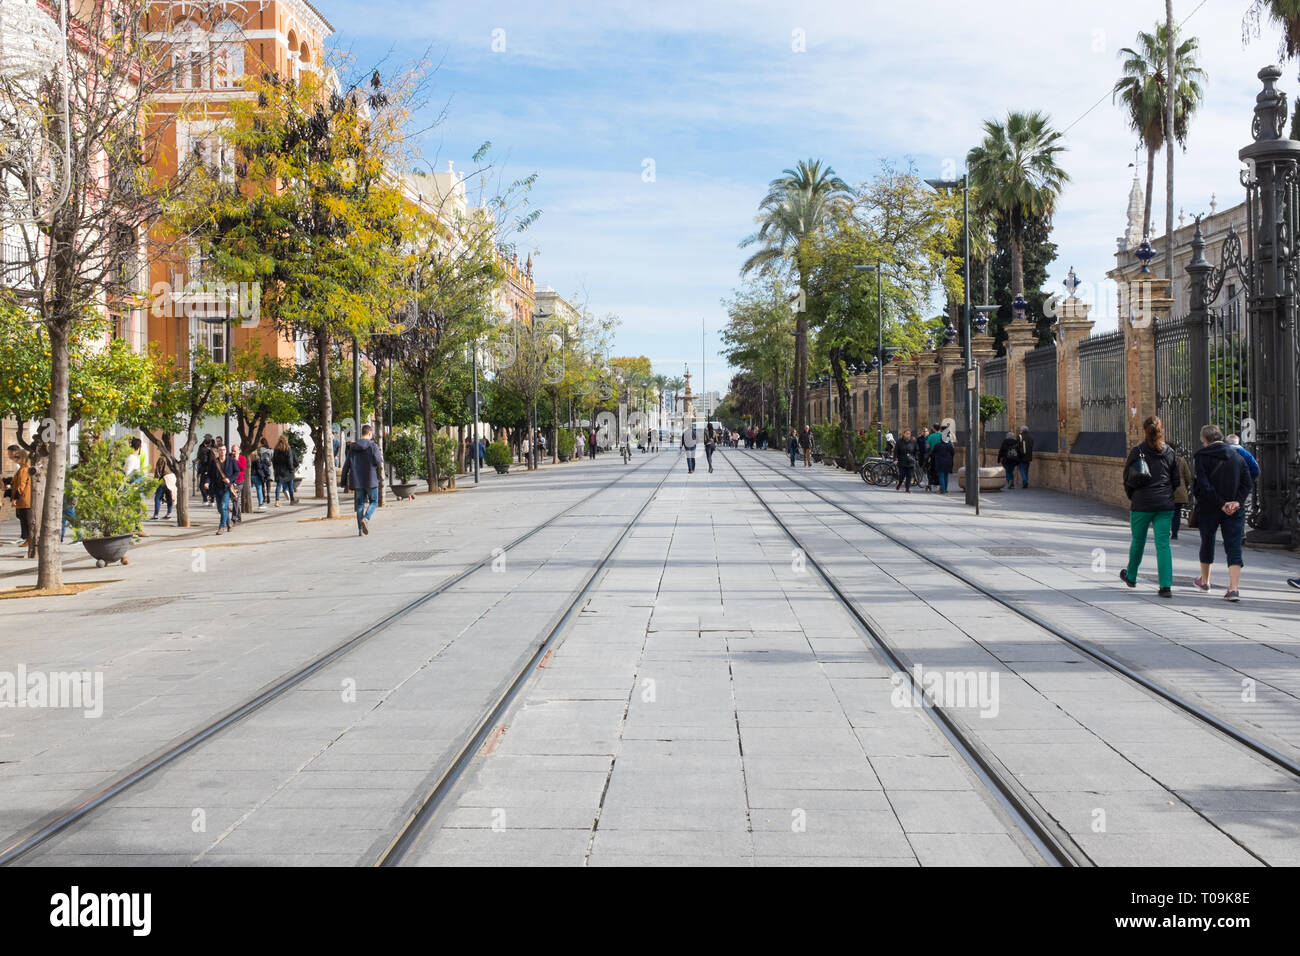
x=1200, y=714
x=40, y=833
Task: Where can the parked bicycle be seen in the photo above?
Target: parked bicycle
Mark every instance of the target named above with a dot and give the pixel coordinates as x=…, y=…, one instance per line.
x=879, y=471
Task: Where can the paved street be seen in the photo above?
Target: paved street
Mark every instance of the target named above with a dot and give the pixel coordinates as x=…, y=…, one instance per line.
x=709, y=700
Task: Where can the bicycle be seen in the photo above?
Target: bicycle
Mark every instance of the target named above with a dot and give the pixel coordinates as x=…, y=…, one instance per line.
x=879, y=471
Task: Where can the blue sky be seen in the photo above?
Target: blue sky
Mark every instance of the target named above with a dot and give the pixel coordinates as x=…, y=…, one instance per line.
x=721, y=98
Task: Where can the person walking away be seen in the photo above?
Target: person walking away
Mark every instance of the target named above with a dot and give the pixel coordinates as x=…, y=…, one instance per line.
x=264, y=469
x=792, y=446
x=1009, y=457
x=201, y=463
x=1222, y=485
x=1182, y=495
x=284, y=465
x=1026, y=455
x=166, y=489
x=20, y=492
x=943, y=457
x=688, y=449
x=237, y=490
x=805, y=445
x=905, y=451
x=222, y=475
x=710, y=445
x=362, y=469
x=1150, y=478
x=1251, y=464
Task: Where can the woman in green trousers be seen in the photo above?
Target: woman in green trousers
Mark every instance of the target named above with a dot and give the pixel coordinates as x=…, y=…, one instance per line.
x=1150, y=480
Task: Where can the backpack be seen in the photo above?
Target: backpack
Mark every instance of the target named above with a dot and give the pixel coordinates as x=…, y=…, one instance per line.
x=1013, y=454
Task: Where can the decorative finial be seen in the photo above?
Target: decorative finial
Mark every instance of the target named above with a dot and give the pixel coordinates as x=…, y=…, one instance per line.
x=1071, y=284
x=1270, y=107
x=1145, y=254
x=1214, y=205
x=1182, y=217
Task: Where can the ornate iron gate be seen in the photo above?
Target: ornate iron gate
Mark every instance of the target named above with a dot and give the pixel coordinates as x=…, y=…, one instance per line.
x=1040, y=397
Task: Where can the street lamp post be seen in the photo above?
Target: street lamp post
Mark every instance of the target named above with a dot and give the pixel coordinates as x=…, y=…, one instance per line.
x=972, y=400
x=879, y=362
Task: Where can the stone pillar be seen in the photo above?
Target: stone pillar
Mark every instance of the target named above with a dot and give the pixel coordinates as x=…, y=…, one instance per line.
x=1141, y=303
x=927, y=363
x=1021, y=337
x=1073, y=326
x=950, y=359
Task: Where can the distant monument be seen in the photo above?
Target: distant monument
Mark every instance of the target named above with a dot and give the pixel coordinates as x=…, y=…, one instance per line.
x=688, y=402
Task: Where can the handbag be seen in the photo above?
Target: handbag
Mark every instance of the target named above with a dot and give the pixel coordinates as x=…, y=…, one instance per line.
x=1139, y=473
x=1193, y=516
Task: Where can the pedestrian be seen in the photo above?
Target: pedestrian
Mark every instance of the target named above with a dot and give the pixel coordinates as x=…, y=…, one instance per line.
x=1222, y=486
x=166, y=490
x=792, y=446
x=1150, y=478
x=1009, y=457
x=20, y=492
x=134, y=466
x=201, y=463
x=710, y=444
x=1182, y=495
x=222, y=474
x=284, y=465
x=1251, y=464
x=805, y=445
x=943, y=456
x=237, y=489
x=263, y=469
x=688, y=448
x=1026, y=455
x=525, y=453
x=924, y=466
x=905, y=451
x=579, y=445
x=363, y=467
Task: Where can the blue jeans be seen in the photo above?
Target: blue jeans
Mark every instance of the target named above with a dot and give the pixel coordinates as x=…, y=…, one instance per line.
x=364, y=501
x=159, y=496
x=793, y=453
x=1233, y=528
x=223, y=504
x=1023, y=467
x=690, y=464
x=286, y=487
x=259, y=486
x=943, y=482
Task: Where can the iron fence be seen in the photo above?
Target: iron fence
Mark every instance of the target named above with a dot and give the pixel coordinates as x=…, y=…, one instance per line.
x=994, y=382
x=935, y=386
x=893, y=409
x=1230, y=379
x=1040, y=397
x=1174, y=381
x=913, y=419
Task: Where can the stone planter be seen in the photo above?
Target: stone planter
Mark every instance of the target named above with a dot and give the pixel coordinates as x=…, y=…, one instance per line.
x=404, y=489
x=991, y=479
x=502, y=469
x=108, y=550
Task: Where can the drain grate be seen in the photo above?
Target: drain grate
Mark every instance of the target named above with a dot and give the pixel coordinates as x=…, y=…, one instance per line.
x=1017, y=553
x=406, y=557
x=140, y=604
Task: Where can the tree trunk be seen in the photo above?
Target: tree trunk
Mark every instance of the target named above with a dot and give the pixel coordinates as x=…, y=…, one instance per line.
x=1171, y=84
x=49, y=557
x=40, y=471
x=1017, y=237
x=426, y=414
x=1151, y=177
x=326, y=419
x=801, y=371
x=379, y=427
x=846, y=406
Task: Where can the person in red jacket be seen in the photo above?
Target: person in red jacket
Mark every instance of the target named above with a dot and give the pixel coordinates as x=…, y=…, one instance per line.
x=236, y=489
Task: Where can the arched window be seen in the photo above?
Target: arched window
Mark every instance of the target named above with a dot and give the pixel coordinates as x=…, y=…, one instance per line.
x=293, y=54
x=227, y=56
x=189, y=56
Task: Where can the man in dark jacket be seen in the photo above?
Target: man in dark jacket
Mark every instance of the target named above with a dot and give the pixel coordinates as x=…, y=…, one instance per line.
x=1026, y=455
x=942, y=455
x=362, y=470
x=805, y=443
x=221, y=476
x=1223, y=484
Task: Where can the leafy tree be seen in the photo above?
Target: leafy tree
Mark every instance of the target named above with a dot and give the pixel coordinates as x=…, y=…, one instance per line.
x=185, y=394
x=1039, y=253
x=314, y=216
x=798, y=204
x=258, y=392
x=756, y=338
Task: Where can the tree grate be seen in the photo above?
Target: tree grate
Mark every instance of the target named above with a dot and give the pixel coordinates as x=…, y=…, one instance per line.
x=404, y=557
x=1017, y=553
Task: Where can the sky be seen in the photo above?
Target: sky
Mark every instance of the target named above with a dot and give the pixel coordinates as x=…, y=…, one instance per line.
x=655, y=128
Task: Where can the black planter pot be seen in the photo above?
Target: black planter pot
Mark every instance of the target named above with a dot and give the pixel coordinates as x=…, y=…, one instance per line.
x=404, y=489
x=108, y=550
x=502, y=469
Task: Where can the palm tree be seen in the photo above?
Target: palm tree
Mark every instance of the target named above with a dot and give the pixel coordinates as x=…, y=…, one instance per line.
x=798, y=204
x=1141, y=89
x=1015, y=177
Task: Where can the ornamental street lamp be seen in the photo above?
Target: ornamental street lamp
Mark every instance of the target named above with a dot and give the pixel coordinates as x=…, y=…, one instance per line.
x=972, y=401
x=880, y=354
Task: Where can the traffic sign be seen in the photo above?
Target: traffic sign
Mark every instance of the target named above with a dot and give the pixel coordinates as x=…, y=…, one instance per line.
x=475, y=402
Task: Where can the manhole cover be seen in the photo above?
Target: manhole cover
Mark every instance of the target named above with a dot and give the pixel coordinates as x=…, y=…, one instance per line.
x=139, y=604
x=1017, y=553
x=408, y=556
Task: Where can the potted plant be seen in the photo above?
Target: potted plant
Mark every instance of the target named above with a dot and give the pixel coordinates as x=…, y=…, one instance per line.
x=498, y=456
x=992, y=478
x=564, y=444
x=405, y=456
x=109, y=509
x=298, y=445
x=444, y=456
